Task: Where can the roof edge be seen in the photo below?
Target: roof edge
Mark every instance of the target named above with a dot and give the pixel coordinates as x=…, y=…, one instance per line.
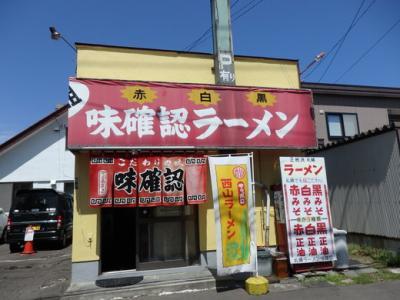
x=77, y=44
x=28, y=131
x=355, y=138
x=347, y=89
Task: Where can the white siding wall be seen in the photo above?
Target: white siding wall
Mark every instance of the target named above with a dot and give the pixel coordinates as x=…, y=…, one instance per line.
x=41, y=157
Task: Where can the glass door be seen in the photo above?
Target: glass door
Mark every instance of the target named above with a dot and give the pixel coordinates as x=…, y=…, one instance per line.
x=166, y=237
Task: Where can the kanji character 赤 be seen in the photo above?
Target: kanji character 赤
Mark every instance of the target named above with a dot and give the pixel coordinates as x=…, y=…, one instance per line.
x=289, y=126
x=151, y=180
x=299, y=242
x=288, y=168
x=107, y=118
x=173, y=180
x=125, y=181
x=321, y=228
x=212, y=123
x=319, y=211
x=294, y=190
x=172, y=122
x=310, y=229
x=262, y=125
x=298, y=229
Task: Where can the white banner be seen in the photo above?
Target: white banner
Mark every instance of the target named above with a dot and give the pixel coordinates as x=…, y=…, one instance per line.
x=231, y=180
x=308, y=218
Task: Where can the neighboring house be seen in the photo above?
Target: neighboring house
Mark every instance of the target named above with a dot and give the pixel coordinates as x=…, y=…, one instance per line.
x=346, y=110
x=364, y=186
x=362, y=158
x=37, y=158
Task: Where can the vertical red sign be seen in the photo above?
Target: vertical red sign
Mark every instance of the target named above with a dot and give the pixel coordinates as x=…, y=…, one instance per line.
x=196, y=179
x=125, y=181
x=149, y=180
x=101, y=170
x=173, y=177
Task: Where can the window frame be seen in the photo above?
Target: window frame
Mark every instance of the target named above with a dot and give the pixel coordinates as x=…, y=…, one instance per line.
x=340, y=115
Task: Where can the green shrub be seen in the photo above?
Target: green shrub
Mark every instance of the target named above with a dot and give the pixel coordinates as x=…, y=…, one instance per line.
x=385, y=257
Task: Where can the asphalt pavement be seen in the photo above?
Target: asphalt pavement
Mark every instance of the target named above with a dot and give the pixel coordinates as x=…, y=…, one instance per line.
x=389, y=290
x=43, y=275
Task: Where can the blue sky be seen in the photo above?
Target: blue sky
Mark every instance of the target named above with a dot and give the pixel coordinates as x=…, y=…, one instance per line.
x=34, y=69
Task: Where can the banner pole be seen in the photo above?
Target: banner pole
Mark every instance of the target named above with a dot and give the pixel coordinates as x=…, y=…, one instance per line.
x=254, y=208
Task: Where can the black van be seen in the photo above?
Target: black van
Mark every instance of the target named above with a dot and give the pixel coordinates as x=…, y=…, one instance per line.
x=48, y=212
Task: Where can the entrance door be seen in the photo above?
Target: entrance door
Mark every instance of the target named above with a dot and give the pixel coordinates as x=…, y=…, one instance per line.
x=118, y=237
x=167, y=237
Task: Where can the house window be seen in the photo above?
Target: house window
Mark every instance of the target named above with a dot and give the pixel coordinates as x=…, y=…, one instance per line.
x=341, y=125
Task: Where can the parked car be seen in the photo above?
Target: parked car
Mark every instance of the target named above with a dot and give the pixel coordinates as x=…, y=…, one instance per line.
x=48, y=212
x=3, y=223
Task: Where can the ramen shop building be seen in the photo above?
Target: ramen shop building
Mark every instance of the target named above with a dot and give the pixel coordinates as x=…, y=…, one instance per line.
x=141, y=123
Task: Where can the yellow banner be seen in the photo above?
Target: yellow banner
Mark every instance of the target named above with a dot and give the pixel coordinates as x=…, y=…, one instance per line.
x=232, y=183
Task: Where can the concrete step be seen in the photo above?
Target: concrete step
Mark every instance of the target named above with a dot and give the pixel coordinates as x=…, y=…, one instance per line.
x=125, y=285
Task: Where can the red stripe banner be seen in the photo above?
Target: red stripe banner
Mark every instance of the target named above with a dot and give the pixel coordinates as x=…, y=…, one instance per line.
x=101, y=170
x=196, y=179
x=125, y=181
x=149, y=180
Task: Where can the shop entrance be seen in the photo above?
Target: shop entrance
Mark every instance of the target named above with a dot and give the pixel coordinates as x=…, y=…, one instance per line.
x=146, y=238
x=118, y=239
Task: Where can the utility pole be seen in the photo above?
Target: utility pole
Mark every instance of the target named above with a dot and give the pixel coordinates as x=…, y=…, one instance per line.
x=224, y=67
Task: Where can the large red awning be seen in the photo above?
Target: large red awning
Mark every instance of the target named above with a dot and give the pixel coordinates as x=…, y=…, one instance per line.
x=123, y=114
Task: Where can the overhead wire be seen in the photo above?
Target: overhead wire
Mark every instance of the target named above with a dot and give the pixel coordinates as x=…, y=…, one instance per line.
x=369, y=50
x=337, y=43
x=342, y=41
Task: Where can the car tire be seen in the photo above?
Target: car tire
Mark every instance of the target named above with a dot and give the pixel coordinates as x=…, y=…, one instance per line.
x=63, y=242
x=3, y=238
x=14, y=247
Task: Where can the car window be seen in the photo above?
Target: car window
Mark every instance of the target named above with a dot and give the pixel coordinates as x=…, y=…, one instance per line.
x=33, y=201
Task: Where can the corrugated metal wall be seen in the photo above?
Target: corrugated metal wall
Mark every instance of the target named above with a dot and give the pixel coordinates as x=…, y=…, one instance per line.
x=364, y=183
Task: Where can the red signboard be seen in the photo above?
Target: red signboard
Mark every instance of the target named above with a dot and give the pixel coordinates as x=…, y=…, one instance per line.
x=110, y=114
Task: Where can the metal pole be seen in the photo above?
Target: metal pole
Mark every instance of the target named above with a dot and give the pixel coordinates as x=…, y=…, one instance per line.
x=253, y=184
x=222, y=40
